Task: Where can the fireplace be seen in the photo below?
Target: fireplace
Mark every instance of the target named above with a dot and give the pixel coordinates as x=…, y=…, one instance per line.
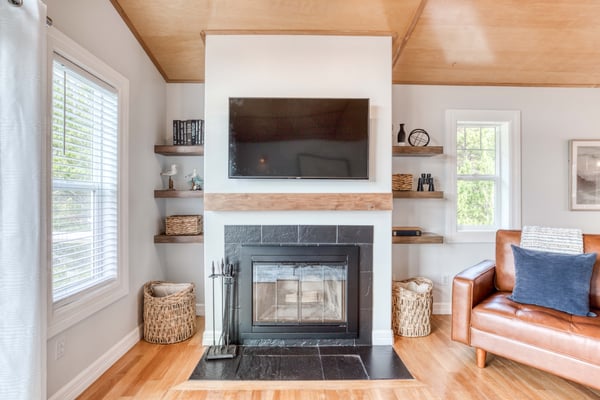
x=356, y=237
x=298, y=292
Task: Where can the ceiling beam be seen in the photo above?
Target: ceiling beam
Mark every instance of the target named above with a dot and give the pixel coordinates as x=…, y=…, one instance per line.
x=413, y=23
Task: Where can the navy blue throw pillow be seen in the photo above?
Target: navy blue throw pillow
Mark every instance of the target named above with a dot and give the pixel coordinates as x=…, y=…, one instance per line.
x=553, y=280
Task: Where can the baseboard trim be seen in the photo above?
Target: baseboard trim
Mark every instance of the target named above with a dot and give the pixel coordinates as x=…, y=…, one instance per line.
x=89, y=375
x=384, y=337
x=200, y=309
x=207, y=337
x=442, y=308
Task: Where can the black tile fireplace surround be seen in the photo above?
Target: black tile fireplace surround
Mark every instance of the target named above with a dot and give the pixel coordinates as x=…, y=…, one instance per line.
x=359, y=237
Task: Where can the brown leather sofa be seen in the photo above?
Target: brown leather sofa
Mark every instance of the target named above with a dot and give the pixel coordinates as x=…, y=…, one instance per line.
x=553, y=341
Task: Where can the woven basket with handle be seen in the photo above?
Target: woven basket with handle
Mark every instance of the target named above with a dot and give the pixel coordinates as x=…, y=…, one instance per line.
x=170, y=318
x=412, y=301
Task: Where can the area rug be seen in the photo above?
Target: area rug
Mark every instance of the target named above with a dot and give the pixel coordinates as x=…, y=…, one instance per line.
x=311, y=363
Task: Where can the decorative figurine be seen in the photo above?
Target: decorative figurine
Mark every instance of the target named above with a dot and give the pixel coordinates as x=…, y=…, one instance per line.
x=170, y=173
x=194, y=179
x=418, y=137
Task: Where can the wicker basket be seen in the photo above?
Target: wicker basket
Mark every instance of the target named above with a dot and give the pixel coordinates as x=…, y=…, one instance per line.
x=171, y=318
x=402, y=182
x=412, y=301
x=183, y=225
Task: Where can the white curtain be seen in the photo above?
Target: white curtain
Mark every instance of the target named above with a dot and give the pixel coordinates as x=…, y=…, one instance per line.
x=22, y=121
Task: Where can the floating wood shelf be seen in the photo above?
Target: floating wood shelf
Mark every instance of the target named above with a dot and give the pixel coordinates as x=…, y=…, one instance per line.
x=425, y=238
x=179, y=239
x=411, y=194
x=412, y=151
x=170, y=150
x=178, y=194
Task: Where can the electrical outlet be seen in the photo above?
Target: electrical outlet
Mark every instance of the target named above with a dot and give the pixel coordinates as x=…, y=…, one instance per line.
x=60, y=347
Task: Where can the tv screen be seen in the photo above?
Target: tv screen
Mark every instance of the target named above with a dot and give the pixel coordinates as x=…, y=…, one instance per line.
x=292, y=138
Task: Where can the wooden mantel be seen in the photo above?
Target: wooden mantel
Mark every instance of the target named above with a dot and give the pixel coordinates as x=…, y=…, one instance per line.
x=298, y=201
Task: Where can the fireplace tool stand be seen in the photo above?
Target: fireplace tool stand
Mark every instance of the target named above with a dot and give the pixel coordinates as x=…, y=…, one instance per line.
x=224, y=349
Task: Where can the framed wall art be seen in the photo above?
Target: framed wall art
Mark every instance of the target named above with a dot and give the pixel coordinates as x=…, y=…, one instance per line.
x=584, y=157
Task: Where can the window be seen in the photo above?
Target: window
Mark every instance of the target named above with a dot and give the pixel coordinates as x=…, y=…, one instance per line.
x=478, y=179
x=484, y=183
x=84, y=181
x=87, y=204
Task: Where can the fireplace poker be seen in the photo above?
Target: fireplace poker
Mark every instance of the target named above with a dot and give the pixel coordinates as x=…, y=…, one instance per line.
x=212, y=276
x=228, y=280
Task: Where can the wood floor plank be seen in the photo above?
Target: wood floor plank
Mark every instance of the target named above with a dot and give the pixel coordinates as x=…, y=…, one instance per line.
x=443, y=370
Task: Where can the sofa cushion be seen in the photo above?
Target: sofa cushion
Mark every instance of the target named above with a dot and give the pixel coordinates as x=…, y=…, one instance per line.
x=540, y=327
x=556, y=280
x=505, y=266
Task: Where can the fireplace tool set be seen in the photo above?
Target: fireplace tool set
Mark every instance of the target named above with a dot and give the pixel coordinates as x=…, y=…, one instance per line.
x=224, y=349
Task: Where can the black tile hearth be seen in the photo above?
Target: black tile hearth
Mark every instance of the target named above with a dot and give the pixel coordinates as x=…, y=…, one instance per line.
x=341, y=367
x=280, y=351
x=382, y=362
x=305, y=363
x=300, y=368
x=252, y=368
x=295, y=343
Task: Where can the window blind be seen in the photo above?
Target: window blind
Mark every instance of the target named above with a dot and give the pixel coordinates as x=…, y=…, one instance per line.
x=85, y=181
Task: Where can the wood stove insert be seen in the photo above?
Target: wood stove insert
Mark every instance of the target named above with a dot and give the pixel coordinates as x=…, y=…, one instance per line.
x=298, y=292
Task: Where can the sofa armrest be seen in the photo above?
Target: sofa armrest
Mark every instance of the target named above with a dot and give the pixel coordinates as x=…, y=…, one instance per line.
x=469, y=288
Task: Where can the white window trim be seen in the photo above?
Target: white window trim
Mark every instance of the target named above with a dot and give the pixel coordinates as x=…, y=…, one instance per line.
x=64, y=315
x=510, y=165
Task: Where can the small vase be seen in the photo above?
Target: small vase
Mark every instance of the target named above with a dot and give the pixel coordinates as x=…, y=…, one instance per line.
x=401, y=136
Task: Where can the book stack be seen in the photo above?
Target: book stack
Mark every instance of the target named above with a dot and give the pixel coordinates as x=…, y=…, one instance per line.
x=188, y=132
x=406, y=231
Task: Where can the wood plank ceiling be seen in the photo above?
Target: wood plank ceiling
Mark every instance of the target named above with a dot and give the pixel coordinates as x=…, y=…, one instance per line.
x=448, y=42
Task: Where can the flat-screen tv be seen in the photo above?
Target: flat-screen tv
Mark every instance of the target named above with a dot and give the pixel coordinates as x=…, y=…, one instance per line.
x=298, y=138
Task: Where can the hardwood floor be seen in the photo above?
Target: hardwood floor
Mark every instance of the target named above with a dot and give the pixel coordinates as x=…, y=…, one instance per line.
x=443, y=369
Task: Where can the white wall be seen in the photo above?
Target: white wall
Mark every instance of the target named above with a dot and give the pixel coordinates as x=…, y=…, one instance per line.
x=183, y=263
x=550, y=117
x=97, y=27
x=300, y=66
x=297, y=66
